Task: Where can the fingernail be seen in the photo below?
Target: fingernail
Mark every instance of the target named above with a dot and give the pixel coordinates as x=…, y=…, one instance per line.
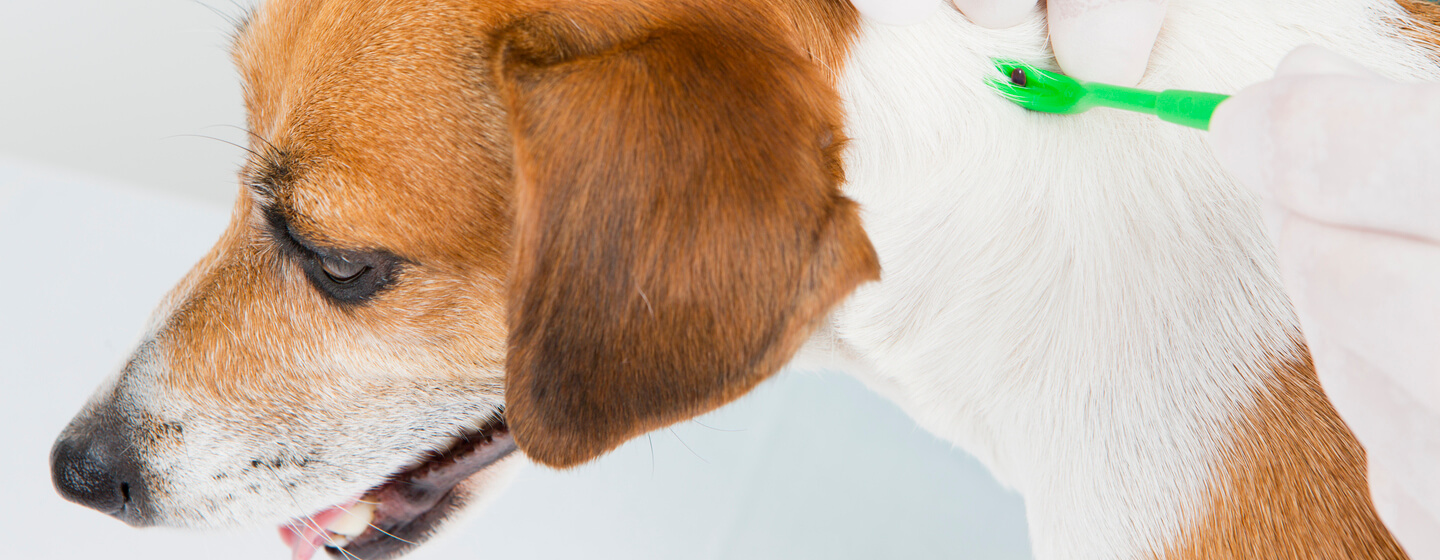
x=996, y=14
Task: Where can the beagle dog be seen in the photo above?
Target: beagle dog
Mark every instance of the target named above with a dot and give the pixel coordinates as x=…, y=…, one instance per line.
x=473, y=231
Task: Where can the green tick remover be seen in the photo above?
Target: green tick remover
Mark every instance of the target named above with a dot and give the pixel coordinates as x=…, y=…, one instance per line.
x=1052, y=92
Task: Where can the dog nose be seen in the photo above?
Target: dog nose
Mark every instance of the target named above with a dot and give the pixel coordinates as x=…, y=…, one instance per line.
x=85, y=472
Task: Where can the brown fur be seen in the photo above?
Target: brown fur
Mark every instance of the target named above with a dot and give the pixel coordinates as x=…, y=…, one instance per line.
x=1425, y=24
x=662, y=179
x=633, y=209
x=394, y=148
x=1293, y=484
x=680, y=224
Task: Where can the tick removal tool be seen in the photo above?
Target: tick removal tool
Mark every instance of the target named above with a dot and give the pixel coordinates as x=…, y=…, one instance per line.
x=1052, y=92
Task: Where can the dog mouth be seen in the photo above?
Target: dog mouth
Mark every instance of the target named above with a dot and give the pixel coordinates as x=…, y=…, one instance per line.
x=407, y=509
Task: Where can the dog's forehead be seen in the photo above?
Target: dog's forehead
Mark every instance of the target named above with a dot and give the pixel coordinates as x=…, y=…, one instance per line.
x=385, y=109
x=291, y=45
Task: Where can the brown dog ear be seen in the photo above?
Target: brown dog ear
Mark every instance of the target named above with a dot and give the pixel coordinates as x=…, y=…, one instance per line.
x=679, y=228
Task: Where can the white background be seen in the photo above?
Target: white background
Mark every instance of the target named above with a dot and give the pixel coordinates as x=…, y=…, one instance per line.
x=105, y=201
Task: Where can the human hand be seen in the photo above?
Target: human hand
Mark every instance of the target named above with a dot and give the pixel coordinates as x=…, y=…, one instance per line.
x=1344, y=161
x=1094, y=40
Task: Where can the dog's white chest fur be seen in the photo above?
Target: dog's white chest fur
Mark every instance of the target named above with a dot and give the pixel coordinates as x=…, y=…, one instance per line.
x=1083, y=302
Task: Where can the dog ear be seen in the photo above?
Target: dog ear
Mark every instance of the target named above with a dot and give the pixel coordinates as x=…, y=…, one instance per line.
x=679, y=228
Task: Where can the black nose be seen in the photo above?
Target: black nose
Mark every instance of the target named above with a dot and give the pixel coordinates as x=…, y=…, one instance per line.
x=87, y=473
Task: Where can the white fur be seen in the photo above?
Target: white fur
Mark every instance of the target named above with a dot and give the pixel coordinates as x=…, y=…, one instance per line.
x=236, y=466
x=1086, y=303
x=1083, y=302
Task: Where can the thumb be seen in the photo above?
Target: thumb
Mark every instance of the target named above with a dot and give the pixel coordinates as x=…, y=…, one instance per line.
x=1251, y=129
x=1105, y=40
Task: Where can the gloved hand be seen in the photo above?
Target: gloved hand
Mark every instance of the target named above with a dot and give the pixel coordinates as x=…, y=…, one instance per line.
x=1347, y=165
x=1094, y=40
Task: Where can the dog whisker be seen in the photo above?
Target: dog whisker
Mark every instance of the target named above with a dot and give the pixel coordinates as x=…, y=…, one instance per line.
x=375, y=527
x=251, y=133
x=388, y=534
x=311, y=523
x=229, y=18
x=702, y=424
x=247, y=150
x=687, y=446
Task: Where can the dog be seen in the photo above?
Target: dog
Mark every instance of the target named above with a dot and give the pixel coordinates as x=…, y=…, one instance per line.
x=473, y=232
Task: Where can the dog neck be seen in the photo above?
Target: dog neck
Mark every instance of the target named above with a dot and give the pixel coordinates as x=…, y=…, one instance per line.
x=1088, y=304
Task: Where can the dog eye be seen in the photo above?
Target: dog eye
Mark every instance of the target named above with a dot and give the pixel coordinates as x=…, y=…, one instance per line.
x=340, y=270
x=350, y=277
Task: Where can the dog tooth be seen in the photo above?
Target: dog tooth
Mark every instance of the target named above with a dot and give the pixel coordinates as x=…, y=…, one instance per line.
x=354, y=522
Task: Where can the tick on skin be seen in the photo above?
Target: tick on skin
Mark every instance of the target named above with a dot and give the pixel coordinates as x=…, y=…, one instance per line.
x=1017, y=77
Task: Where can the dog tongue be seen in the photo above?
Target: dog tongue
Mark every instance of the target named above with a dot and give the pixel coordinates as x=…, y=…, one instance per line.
x=306, y=535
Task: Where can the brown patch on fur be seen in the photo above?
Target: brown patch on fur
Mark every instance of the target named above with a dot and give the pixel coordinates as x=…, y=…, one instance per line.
x=1425, y=25
x=1293, y=484
x=665, y=177
x=823, y=29
x=374, y=129
x=680, y=227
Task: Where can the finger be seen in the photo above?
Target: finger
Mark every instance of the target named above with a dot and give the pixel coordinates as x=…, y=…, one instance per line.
x=1401, y=439
x=1412, y=516
x=1105, y=40
x=1242, y=121
x=1240, y=137
x=1338, y=149
x=996, y=14
x=896, y=12
x=1371, y=313
x=1373, y=294
x=1402, y=446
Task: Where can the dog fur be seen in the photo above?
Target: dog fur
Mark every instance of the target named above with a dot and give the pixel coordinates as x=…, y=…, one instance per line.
x=611, y=216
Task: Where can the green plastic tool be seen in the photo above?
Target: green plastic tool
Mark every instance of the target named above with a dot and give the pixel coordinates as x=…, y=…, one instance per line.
x=1052, y=92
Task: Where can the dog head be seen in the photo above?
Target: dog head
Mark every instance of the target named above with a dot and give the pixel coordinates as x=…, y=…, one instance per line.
x=470, y=226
